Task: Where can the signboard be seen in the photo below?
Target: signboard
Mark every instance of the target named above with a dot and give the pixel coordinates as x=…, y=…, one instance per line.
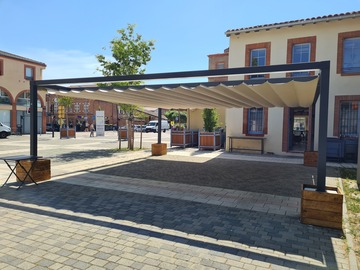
x=100, y=123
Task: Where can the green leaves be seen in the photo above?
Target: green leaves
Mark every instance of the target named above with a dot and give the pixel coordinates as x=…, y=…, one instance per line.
x=210, y=117
x=130, y=52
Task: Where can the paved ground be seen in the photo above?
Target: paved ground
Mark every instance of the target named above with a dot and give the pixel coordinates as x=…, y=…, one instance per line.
x=186, y=210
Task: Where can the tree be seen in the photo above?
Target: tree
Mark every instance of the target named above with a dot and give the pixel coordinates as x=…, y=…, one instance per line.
x=173, y=115
x=210, y=117
x=66, y=102
x=131, y=54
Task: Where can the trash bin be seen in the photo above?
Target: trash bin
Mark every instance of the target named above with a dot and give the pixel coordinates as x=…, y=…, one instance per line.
x=18, y=129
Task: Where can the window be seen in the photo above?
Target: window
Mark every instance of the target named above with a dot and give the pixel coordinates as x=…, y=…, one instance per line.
x=348, y=53
x=29, y=73
x=220, y=65
x=4, y=98
x=257, y=54
x=24, y=100
x=301, y=50
x=77, y=107
x=257, y=59
x=349, y=115
x=351, y=55
x=86, y=107
x=255, y=121
x=300, y=54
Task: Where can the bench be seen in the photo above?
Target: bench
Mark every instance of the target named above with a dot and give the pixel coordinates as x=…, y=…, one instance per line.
x=256, y=144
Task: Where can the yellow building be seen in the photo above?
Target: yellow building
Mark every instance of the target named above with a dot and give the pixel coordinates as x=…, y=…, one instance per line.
x=15, y=75
x=332, y=37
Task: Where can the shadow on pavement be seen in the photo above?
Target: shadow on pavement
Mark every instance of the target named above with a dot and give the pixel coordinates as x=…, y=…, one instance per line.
x=263, y=177
x=83, y=155
x=244, y=228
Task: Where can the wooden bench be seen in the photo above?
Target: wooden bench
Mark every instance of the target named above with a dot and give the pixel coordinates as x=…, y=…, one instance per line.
x=257, y=147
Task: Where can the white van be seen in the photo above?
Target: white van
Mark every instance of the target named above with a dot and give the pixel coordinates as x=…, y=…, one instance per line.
x=4, y=131
x=152, y=126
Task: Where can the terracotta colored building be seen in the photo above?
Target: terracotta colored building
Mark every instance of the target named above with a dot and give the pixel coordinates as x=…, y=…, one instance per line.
x=15, y=74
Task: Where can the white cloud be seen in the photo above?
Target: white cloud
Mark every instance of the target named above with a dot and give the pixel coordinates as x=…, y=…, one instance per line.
x=62, y=64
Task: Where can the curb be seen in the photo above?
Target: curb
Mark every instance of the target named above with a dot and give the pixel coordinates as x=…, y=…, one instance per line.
x=353, y=265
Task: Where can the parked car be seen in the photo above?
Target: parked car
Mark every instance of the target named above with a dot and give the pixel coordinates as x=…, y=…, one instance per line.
x=139, y=128
x=49, y=127
x=152, y=126
x=4, y=131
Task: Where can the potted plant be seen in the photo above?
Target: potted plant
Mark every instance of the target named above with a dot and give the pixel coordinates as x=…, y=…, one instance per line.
x=209, y=139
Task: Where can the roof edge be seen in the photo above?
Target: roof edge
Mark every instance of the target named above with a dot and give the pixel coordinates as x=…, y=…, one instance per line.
x=21, y=58
x=341, y=16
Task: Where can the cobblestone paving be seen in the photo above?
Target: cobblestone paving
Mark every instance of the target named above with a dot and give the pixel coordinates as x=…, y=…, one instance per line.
x=112, y=211
x=65, y=226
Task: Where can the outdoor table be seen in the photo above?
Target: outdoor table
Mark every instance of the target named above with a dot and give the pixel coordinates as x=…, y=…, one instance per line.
x=14, y=161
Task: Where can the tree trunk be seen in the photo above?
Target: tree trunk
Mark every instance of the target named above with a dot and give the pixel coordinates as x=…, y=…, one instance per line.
x=130, y=135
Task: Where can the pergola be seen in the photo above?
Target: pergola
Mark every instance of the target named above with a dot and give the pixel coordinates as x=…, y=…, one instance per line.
x=258, y=92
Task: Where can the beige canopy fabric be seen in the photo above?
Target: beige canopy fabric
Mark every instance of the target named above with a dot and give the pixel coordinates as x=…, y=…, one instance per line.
x=294, y=92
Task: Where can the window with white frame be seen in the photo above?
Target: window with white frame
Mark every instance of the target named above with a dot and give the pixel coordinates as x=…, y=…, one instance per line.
x=301, y=54
x=77, y=107
x=257, y=59
x=29, y=73
x=351, y=55
x=86, y=107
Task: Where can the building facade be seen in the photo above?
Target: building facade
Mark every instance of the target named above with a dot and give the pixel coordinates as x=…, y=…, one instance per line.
x=15, y=75
x=333, y=37
x=82, y=113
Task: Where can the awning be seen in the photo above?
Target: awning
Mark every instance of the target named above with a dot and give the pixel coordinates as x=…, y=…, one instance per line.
x=291, y=92
x=277, y=92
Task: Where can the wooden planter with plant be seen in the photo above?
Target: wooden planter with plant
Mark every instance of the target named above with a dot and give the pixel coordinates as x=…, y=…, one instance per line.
x=209, y=139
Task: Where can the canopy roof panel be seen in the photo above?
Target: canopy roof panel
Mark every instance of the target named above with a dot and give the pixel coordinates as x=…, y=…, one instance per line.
x=279, y=92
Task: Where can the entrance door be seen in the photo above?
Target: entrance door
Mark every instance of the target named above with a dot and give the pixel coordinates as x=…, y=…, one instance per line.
x=298, y=129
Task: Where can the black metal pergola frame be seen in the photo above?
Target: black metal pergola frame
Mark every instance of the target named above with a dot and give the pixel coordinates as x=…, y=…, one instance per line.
x=322, y=92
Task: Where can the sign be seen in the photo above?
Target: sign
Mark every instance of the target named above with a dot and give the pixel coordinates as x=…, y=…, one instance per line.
x=100, y=123
x=61, y=112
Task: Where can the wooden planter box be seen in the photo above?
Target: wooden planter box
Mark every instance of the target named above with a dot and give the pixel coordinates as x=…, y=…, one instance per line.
x=183, y=138
x=311, y=158
x=65, y=134
x=123, y=134
x=159, y=149
x=41, y=170
x=209, y=140
x=321, y=208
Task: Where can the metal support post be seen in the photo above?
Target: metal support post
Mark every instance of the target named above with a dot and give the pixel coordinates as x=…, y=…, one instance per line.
x=159, y=125
x=33, y=119
x=323, y=125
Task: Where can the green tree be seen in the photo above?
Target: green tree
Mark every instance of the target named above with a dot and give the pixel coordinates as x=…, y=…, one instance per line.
x=172, y=115
x=66, y=102
x=210, y=117
x=131, y=53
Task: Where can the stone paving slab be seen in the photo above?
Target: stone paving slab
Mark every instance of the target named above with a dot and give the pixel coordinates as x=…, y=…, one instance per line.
x=89, y=216
x=59, y=224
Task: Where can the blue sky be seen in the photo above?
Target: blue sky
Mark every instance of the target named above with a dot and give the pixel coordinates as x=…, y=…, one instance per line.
x=67, y=34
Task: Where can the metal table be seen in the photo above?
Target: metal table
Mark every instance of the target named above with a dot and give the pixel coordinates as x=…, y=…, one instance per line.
x=14, y=161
